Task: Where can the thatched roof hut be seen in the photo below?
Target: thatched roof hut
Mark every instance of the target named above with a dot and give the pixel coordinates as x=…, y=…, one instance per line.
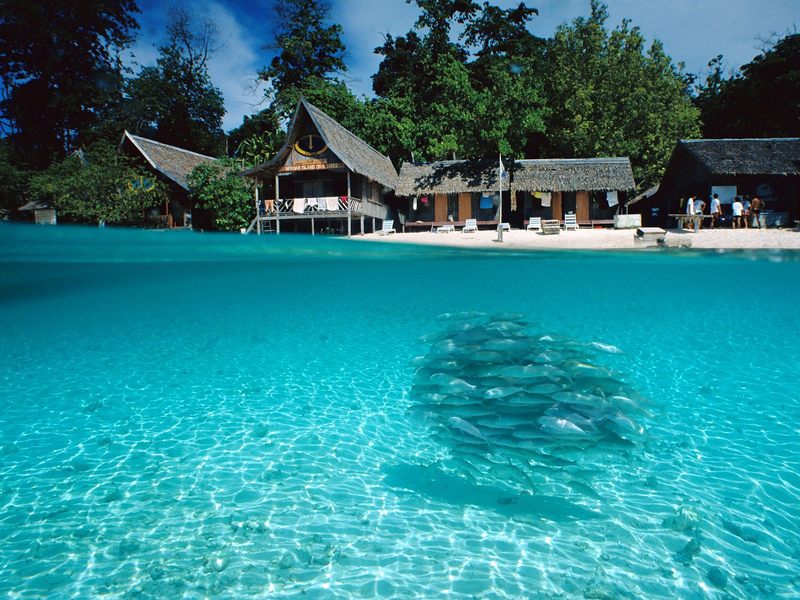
x=445, y=177
x=530, y=175
x=574, y=174
x=172, y=162
x=747, y=156
x=356, y=154
x=768, y=167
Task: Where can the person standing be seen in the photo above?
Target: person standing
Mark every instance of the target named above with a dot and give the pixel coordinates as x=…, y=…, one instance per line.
x=746, y=205
x=690, y=209
x=755, y=210
x=738, y=209
x=699, y=207
x=716, y=210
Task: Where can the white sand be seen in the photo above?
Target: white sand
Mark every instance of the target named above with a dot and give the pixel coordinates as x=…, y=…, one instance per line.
x=599, y=239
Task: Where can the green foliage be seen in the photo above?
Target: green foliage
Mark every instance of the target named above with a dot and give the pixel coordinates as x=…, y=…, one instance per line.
x=60, y=71
x=258, y=138
x=217, y=187
x=609, y=97
x=98, y=185
x=761, y=101
x=13, y=182
x=444, y=105
x=176, y=99
x=308, y=50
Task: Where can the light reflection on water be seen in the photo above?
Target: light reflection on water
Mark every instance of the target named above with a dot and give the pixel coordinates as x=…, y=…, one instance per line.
x=187, y=415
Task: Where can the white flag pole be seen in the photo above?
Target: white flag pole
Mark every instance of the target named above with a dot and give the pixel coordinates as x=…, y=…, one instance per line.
x=500, y=187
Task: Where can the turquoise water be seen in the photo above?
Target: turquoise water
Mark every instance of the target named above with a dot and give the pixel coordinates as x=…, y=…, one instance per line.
x=189, y=416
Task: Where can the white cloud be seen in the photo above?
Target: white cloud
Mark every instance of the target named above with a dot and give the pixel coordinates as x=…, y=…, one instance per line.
x=233, y=68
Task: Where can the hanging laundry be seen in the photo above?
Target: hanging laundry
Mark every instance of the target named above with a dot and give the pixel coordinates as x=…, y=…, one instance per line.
x=299, y=205
x=546, y=197
x=612, y=199
x=414, y=206
x=424, y=199
x=486, y=202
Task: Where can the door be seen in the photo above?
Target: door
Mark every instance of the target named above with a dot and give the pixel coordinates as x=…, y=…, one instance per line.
x=440, y=207
x=582, y=207
x=555, y=201
x=464, y=206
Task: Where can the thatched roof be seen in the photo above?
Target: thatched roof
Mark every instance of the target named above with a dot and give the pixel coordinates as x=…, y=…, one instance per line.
x=574, y=174
x=540, y=175
x=354, y=152
x=747, y=156
x=172, y=162
x=445, y=177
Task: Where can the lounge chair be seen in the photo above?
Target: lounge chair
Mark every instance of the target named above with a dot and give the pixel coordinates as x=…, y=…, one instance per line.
x=570, y=221
x=506, y=226
x=388, y=227
x=535, y=224
x=470, y=226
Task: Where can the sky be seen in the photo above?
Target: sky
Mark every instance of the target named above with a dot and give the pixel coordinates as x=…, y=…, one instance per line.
x=692, y=31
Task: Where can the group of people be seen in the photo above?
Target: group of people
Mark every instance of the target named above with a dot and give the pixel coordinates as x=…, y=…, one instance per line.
x=745, y=210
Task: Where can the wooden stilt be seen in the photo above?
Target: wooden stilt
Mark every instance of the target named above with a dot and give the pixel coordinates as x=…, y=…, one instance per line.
x=349, y=209
x=277, y=205
x=258, y=215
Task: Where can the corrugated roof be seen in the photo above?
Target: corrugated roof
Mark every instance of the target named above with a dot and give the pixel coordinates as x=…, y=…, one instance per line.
x=354, y=152
x=747, y=156
x=173, y=162
x=532, y=175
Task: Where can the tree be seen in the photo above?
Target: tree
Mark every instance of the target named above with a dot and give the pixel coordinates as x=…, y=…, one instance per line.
x=761, y=101
x=13, y=181
x=446, y=105
x=175, y=100
x=607, y=96
x=258, y=138
x=307, y=51
x=98, y=185
x=60, y=71
x=218, y=187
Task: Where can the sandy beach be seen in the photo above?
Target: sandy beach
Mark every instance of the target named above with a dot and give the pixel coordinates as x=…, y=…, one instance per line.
x=600, y=239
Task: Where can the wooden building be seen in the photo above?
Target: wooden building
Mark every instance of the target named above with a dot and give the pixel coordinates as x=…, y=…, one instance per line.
x=764, y=167
x=453, y=191
x=171, y=165
x=323, y=179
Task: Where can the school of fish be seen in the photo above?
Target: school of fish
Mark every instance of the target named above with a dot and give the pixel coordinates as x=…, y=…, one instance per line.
x=521, y=408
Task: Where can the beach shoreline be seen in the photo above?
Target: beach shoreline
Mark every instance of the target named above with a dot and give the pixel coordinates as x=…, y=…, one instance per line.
x=600, y=239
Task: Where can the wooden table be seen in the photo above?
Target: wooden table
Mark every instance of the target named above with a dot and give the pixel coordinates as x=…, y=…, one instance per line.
x=683, y=219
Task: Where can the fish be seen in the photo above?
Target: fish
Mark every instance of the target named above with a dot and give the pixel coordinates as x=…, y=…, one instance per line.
x=560, y=426
x=608, y=348
x=486, y=356
x=466, y=427
x=501, y=392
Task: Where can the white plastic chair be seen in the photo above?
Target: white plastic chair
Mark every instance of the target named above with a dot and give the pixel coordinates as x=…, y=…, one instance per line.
x=570, y=221
x=470, y=226
x=535, y=224
x=388, y=227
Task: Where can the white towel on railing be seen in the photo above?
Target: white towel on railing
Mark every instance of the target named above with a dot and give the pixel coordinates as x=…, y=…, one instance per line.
x=299, y=205
x=311, y=203
x=332, y=202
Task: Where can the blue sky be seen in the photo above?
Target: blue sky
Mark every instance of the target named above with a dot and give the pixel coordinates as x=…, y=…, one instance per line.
x=693, y=32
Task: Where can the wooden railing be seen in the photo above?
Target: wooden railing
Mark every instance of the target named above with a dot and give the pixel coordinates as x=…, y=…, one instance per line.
x=311, y=206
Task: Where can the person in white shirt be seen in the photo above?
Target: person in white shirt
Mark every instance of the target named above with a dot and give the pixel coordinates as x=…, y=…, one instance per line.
x=738, y=209
x=716, y=210
x=699, y=207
